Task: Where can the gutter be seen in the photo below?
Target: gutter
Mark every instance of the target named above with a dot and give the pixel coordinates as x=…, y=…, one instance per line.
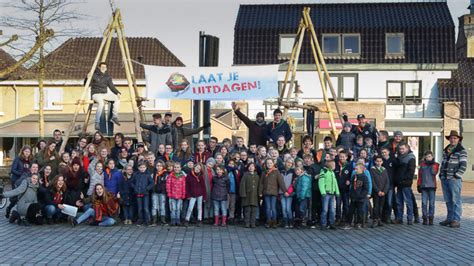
x=16, y=100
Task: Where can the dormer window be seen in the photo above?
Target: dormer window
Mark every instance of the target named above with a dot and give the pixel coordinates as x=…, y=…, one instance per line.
x=286, y=45
x=394, y=45
x=341, y=45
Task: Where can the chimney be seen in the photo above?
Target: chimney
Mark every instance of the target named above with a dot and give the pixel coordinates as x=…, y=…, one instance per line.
x=465, y=41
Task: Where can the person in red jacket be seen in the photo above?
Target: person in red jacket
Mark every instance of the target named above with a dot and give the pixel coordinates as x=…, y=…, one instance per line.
x=195, y=192
x=176, y=189
x=426, y=185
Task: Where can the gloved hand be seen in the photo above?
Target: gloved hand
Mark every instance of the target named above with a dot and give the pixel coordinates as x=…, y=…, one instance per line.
x=418, y=188
x=207, y=125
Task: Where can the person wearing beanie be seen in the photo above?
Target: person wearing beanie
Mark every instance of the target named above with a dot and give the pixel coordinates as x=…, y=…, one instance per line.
x=279, y=127
x=395, y=142
x=347, y=138
x=182, y=132
x=257, y=128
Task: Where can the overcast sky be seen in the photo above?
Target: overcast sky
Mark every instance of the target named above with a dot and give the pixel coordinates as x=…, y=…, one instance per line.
x=177, y=23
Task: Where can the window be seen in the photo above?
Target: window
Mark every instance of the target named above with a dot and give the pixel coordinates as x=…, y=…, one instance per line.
x=350, y=44
x=394, y=44
x=346, y=86
x=286, y=44
x=51, y=95
x=404, y=92
x=331, y=44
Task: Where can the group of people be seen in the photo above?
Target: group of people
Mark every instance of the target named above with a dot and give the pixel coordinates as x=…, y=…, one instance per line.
x=363, y=178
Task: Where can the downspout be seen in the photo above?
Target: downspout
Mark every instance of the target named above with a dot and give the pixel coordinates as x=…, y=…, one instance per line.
x=16, y=100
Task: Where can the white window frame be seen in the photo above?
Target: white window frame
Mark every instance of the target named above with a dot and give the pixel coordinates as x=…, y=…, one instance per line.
x=395, y=34
x=48, y=101
x=403, y=99
x=283, y=36
x=339, y=42
x=343, y=50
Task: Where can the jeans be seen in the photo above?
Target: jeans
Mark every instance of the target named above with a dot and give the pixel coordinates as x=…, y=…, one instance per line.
x=99, y=99
x=303, y=208
x=452, y=197
x=328, y=206
x=175, y=209
x=158, y=204
x=193, y=201
x=342, y=205
x=378, y=206
x=388, y=205
x=404, y=197
x=208, y=209
x=51, y=211
x=232, y=201
x=428, y=197
x=143, y=208
x=270, y=207
x=286, y=203
x=220, y=205
x=90, y=213
x=128, y=212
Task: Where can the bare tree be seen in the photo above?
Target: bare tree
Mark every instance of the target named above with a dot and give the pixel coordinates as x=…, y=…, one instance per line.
x=40, y=22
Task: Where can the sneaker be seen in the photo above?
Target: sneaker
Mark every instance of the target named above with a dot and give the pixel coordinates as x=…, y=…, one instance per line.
x=358, y=226
x=455, y=224
x=445, y=223
x=333, y=227
x=115, y=121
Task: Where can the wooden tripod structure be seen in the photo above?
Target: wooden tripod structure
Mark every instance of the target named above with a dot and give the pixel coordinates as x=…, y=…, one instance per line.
x=115, y=26
x=306, y=26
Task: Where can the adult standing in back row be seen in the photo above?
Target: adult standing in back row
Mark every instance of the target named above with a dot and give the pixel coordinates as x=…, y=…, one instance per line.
x=279, y=127
x=452, y=169
x=257, y=128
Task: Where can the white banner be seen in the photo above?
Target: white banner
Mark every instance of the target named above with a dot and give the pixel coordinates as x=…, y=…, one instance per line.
x=212, y=83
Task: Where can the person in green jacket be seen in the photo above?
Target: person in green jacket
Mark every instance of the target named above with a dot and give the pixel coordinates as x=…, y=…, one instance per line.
x=329, y=191
x=249, y=194
x=303, y=193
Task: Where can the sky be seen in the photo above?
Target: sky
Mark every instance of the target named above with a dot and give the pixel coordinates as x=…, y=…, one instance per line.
x=177, y=23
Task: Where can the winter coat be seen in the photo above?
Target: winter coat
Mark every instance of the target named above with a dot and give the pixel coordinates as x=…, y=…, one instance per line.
x=288, y=178
x=208, y=175
x=142, y=183
x=76, y=184
x=390, y=165
x=369, y=178
x=27, y=195
x=249, y=189
x=406, y=166
x=182, y=132
x=176, y=185
x=327, y=182
x=454, y=163
x=220, y=187
x=343, y=174
x=201, y=157
x=19, y=167
x=195, y=185
x=303, y=187
x=427, y=174
x=95, y=179
x=368, y=131
x=257, y=132
x=100, y=82
x=47, y=197
x=346, y=140
x=44, y=160
x=281, y=129
x=359, y=188
x=112, y=179
x=159, y=182
x=271, y=183
x=380, y=180
x=158, y=135
x=126, y=191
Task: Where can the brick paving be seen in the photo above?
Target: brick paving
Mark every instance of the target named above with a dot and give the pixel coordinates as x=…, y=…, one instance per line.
x=393, y=244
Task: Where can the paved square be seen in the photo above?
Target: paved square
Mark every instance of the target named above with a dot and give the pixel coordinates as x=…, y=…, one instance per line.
x=393, y=244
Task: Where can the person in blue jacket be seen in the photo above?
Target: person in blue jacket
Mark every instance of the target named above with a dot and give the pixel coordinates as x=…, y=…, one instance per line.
x=112, y=177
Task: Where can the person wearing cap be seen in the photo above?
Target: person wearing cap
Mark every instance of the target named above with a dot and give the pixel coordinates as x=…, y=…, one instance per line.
x=183, y=132
x=257, y=128
x=363, y=127
x=452, y=169
x=160, y=133
x=278, y=127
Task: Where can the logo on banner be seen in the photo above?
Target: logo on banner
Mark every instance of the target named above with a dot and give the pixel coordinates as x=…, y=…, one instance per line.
x=178, y=83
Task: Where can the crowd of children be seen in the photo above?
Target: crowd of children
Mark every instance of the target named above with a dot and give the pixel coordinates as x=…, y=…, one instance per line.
x=365, y=180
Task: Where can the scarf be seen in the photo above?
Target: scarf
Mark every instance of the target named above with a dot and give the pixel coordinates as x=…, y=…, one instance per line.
x=260, y=123
x=159, y=174
x=58, y=197
x=276, y=125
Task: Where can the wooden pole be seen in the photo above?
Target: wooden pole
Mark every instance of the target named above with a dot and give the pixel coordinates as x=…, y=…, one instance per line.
x=295, y=66
x=136, y=116
x=321, y=77
x=86, y=87
x=322, y=61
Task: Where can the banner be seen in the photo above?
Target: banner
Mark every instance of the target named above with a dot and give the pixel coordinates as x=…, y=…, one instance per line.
x=212, y=83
